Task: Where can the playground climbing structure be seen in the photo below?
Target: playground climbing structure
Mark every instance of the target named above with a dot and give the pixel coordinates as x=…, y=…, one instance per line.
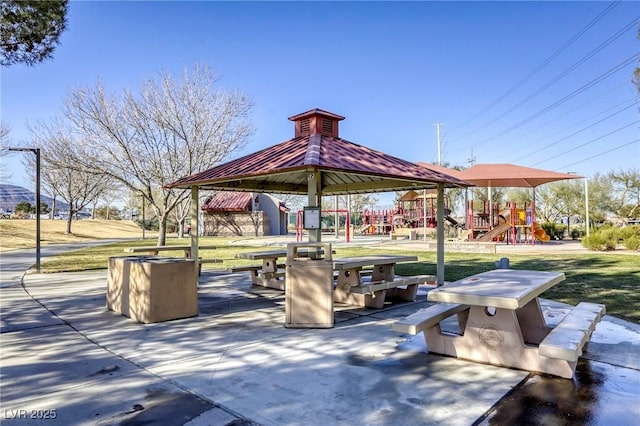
x=512, y=223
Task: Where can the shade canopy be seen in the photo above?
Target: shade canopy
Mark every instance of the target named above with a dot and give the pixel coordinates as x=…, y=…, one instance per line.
x=438, y=168
x=346, y=167
x=510, y=176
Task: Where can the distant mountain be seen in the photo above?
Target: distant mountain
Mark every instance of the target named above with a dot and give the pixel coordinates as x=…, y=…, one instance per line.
x=11, y=195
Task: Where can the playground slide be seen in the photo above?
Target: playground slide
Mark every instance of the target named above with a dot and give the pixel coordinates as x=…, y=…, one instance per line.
x=451, y=220
x=495, y=232
x=540, y=233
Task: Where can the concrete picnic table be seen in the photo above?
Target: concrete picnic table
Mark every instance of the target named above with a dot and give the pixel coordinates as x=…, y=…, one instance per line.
x=352, y=289
x=501, y=322
x=270, y=273
x=153, y=250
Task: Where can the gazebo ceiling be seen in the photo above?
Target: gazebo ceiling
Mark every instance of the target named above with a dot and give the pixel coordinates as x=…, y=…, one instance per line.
x=346, y=167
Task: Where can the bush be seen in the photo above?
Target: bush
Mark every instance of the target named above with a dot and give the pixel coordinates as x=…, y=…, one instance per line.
x=575, y=233
x=595, y=241
x=602, y=240
x=608, y=238
x=632, y=243
x=554, y=230
x=148, y=224
x=630, y=231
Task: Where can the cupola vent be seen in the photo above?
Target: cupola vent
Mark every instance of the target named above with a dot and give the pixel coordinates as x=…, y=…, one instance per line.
x=316, y=121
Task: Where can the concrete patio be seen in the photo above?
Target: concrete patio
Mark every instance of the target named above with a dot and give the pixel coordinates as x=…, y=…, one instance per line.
x=64, y=356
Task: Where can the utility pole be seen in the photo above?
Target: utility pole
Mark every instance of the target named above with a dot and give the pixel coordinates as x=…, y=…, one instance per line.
x=439, y=143
x=472, y=158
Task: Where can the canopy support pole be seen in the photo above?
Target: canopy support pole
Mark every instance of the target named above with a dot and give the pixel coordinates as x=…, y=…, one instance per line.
x=314, y=199
x=440, y=235
x=195, y=222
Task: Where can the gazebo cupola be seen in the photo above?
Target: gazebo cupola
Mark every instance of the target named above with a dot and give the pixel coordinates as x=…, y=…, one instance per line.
x=316, y=121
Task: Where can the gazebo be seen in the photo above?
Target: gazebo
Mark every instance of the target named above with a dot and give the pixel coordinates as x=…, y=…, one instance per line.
x=317, y=162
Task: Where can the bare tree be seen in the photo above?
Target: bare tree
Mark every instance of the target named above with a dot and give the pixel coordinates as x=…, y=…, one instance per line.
x=77, y=187
x=627, y=188
x=172, y=128
x=181, y=212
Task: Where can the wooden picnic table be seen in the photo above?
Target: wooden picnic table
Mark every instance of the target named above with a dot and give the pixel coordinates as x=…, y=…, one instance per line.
x=501, y=322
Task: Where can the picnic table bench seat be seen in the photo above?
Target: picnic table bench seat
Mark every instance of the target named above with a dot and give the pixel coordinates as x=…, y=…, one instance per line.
x=201, y=261
x=259, y=276
x=244, y=268
x=431, y=317
x=567, y=339
x=370, y=287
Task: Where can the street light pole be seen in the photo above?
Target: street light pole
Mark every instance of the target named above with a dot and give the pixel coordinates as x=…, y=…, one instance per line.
x=586, y=203
x=36, y=151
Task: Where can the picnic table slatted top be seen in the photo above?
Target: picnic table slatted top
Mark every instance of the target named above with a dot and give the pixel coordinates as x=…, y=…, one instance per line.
x=500, y=288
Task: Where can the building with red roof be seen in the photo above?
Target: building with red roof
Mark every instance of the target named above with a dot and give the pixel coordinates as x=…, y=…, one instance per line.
x=244, y=214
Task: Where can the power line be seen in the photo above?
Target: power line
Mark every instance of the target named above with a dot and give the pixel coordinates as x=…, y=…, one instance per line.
x=599, y=154
x=582, y=105
x=577, y=64
x=566, y=98
x=593, y=140
x=545, y=62
x=592, y=53
x=538, y=149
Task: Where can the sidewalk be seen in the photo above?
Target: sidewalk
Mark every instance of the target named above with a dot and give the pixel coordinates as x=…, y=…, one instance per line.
x=65, y=356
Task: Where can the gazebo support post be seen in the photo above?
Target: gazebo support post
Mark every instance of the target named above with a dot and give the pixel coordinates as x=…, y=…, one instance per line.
x=195, y=226
x=440, y=235
x=314, y=199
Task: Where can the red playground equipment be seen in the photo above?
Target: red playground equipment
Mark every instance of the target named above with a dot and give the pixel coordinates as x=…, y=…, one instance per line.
x=412, y=210
x=300, y=229
x=510, y=224
x=377, y=222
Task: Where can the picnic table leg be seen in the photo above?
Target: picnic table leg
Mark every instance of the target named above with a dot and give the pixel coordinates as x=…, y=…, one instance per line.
x=268, y=276
x=342, y=293
x=383, y=273
x=532, y=323
x=408, y=293
x=494, y=336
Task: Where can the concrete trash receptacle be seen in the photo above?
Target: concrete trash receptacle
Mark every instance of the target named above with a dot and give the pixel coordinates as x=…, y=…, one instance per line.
x=118, y=282
x=161, y=289
x=309, y=286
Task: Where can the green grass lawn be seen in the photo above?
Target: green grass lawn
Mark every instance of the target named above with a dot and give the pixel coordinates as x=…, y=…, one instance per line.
x=611, y=279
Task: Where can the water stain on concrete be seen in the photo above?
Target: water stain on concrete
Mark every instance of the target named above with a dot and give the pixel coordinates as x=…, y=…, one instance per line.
x=597, y=395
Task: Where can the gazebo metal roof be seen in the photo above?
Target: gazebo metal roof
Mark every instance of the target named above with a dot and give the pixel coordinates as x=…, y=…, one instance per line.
x=347, y=168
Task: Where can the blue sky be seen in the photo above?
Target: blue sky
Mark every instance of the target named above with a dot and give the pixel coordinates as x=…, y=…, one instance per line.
x=540, y=84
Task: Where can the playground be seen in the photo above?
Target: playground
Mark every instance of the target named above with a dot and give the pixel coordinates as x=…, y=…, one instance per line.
x=414, y=213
